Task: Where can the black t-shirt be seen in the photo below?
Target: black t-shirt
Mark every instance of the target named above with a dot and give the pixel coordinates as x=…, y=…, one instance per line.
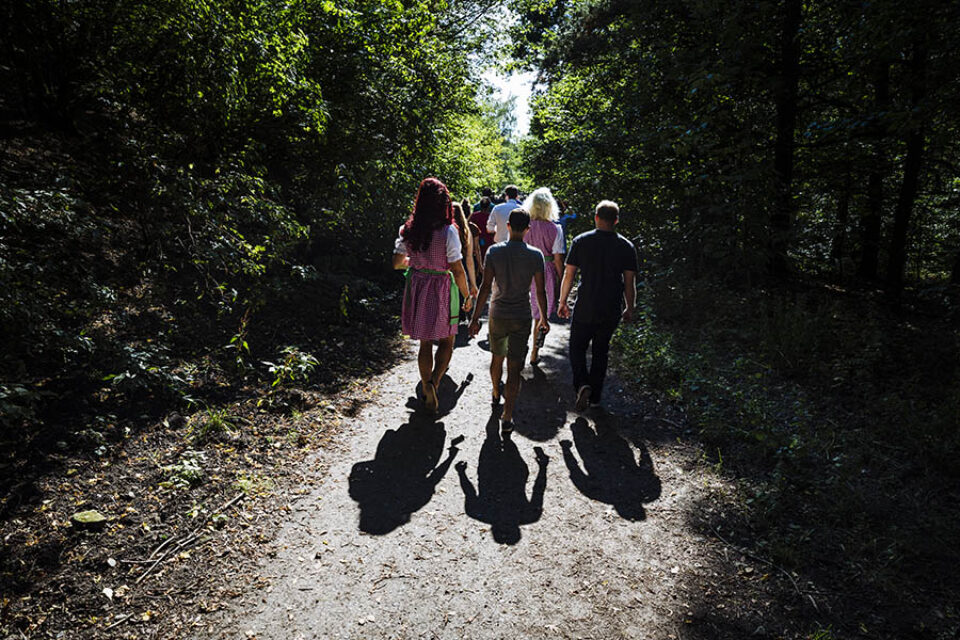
x=602, y=257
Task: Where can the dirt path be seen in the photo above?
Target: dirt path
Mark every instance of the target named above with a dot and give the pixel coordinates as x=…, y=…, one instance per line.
x=594, y=542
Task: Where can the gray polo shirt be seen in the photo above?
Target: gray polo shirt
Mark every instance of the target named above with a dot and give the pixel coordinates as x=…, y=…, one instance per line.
x=514, y=264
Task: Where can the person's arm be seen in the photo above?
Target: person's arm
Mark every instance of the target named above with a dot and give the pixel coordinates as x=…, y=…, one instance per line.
x=455, y=264
x=569, y=274
x=558, y=249
x=471, y=268
x=481, y=299
x=492, y=222
x=477, y=254
x=461, y=279
x=400, y=258
x=542, y=301
x=629, y=294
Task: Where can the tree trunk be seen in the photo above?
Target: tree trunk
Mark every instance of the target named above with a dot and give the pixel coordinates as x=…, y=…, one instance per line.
x=872, y=221
x=783, y=151
x=838, y=250
x=911, y=180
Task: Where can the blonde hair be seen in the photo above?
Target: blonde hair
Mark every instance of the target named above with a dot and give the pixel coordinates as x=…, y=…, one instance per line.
x=541, y=205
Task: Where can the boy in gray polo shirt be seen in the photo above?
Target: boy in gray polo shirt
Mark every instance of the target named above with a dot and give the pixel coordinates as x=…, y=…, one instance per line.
x=508, y=270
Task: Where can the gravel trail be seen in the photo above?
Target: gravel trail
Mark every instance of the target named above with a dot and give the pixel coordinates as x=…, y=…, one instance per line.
x=576, y=527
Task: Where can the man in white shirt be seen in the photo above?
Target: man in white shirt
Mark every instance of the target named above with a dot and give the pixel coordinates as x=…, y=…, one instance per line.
x=497, y=222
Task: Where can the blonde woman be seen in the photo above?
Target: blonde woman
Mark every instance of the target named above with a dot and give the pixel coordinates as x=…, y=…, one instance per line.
x=545, y=235
x=468, y=242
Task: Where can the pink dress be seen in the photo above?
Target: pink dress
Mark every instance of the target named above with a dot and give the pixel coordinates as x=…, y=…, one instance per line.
x=543, y=235
x=426, y=298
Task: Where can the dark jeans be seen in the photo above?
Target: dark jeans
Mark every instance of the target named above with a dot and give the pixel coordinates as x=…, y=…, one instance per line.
x=582, y=334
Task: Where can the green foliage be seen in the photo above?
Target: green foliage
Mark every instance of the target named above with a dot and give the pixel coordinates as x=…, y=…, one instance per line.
x=473, y=155
x=822, y=634
x=254, y=484
x=211, y=424
x=295, y=366
x=822, y=407
x=188, y=471
x=673, y=108
x=228, y=167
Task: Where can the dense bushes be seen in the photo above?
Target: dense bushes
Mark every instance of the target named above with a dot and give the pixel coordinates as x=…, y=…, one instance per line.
x=181, y=179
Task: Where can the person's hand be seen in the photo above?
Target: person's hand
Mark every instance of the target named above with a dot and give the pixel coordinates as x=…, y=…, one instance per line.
x=544, y=325
x=564, y=310
x=460, y=466
x=566, y=444
x=474, y=291
x=627, y=315
x=475, y=327
x=468, y=304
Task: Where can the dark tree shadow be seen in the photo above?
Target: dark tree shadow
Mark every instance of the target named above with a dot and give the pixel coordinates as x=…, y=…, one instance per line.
x=612, y=472
x=540, y=406
x=402, y=476
x=448, y=393
x=500, y=498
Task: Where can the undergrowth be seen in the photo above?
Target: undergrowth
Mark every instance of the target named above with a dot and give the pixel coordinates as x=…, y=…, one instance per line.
x=839, y=419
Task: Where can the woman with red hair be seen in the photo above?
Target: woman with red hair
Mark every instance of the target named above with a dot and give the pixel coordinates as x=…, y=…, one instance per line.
x=429, y=248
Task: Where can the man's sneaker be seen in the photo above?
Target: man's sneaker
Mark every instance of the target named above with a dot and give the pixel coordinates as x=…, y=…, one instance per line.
x=583, y=397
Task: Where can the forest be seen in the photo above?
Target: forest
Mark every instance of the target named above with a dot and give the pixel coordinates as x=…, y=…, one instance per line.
x=198, y=202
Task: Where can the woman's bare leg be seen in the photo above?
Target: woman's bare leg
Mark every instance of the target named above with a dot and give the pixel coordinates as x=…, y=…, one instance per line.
x=425, y=361
x=444, y=354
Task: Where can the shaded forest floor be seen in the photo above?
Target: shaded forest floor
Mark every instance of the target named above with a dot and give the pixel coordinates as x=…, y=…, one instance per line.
x=837, y=415
x=185, y=499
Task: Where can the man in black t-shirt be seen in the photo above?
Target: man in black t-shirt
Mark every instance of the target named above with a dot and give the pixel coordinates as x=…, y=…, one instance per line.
x=608, y=269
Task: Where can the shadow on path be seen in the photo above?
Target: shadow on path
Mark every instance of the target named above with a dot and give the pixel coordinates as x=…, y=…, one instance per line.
x=611, y=472
x=540, y=408
x=500, y=498
x=403, y=474
x=448, y=393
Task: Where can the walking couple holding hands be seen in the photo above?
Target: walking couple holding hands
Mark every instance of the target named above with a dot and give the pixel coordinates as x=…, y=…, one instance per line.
x=521, y=295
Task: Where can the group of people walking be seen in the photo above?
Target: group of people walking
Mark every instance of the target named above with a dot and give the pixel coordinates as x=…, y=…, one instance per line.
x=521, y=267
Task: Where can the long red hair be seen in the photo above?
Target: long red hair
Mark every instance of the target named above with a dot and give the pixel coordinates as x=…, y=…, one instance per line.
x=431, y=210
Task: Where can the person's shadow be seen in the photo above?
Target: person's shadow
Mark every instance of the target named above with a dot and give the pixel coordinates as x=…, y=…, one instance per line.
x=448, y=393
x=500, y=498
x=612, y=472
x=540, y=405
x=402, y=476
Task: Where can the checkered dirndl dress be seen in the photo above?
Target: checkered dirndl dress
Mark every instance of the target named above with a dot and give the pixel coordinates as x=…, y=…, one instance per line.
x=542, y=235
x=426, y=298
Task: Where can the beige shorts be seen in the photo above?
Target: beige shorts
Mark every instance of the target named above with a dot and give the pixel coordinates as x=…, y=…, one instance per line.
x=509, y=337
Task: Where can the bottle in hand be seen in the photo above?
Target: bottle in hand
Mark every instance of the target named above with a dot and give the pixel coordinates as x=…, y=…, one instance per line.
x=541, y=337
